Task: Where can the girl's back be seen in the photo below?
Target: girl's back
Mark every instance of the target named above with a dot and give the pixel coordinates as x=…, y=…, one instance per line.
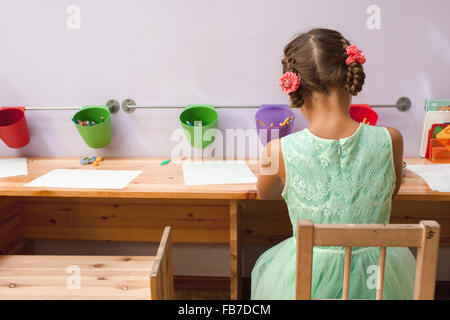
x=350, y=180
x=347, y=180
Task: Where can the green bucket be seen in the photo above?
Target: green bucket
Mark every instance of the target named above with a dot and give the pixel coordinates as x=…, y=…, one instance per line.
x=207, y=116
x=98, y=135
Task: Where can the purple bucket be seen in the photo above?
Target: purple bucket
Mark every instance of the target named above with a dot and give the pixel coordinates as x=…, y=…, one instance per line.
x=280, y=116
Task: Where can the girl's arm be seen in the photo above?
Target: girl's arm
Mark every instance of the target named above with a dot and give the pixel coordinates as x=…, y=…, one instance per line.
x=397, y=149
x=271, y=177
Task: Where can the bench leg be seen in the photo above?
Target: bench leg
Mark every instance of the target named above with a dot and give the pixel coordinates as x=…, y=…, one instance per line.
x=235, y=252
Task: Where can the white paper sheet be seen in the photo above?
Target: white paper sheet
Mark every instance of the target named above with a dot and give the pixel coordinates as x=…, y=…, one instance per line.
x=85, y=179
x=437, y=176
x=13, y=167
x=217, y=172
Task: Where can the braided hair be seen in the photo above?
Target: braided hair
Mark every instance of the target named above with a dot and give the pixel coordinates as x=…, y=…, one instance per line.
x=319, y=57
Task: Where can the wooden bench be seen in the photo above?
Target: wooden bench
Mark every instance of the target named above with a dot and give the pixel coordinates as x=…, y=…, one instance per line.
x=423, y=236
x=89, y=277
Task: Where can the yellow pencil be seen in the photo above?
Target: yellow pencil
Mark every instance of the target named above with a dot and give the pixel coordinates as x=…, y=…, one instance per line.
x=261, y=123
x=286, y=121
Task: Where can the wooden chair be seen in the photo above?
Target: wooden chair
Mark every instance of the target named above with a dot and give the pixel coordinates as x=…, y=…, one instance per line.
x=424, y=236
x=100, y=277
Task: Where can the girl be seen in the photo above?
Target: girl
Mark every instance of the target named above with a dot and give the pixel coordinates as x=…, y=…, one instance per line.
x=335, y=171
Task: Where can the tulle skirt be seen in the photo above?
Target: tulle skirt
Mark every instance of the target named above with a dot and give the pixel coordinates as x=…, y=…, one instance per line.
x=273, y=276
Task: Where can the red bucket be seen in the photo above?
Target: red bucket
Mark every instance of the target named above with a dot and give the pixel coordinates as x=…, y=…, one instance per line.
x=13, y=127
x=360, y=111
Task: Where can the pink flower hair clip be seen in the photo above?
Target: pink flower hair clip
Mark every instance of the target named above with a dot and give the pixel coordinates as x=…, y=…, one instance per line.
x=354, y=54
x=290, y=82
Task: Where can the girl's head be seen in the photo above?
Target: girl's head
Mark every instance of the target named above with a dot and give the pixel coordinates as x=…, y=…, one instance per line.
x=319, y=57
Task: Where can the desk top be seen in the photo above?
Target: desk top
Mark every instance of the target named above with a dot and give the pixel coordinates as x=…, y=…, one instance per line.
x=167, y=182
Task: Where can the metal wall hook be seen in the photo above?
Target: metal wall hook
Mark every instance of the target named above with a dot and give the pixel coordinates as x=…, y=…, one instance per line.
x=113, y=106
x=129, y=106
x=126, y=105
x=402, y=104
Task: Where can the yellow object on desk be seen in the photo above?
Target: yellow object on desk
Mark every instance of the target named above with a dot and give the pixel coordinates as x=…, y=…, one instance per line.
x=444, y=133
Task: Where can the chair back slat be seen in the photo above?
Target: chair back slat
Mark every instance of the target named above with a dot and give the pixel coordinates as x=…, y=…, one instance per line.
x=381, y=269
x=426, y=265
x=305, y=236
x=367, y=235
x=424, y=236
x=347, y=269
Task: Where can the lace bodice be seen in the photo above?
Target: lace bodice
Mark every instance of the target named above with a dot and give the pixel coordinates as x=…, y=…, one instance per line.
x=350, y=180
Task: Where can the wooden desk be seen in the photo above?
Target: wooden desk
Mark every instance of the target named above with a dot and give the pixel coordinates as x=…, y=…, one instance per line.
x=226, y=214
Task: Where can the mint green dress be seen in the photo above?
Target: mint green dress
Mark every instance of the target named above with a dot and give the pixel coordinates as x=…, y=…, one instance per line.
x=350, y=180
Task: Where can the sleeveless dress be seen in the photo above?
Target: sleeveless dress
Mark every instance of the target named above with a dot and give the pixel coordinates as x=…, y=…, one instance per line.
x=350, y=180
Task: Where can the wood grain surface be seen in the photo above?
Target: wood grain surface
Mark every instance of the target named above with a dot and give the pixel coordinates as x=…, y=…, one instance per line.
x=167, y=182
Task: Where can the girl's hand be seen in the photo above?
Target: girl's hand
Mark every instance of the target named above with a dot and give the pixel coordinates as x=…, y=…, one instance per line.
x=272, y=172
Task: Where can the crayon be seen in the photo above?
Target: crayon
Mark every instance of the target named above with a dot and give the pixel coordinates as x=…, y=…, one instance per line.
x=282, y=124
x=165, y=162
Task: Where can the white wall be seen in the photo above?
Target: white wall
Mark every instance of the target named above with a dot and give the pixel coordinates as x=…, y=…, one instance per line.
x=202, y=51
